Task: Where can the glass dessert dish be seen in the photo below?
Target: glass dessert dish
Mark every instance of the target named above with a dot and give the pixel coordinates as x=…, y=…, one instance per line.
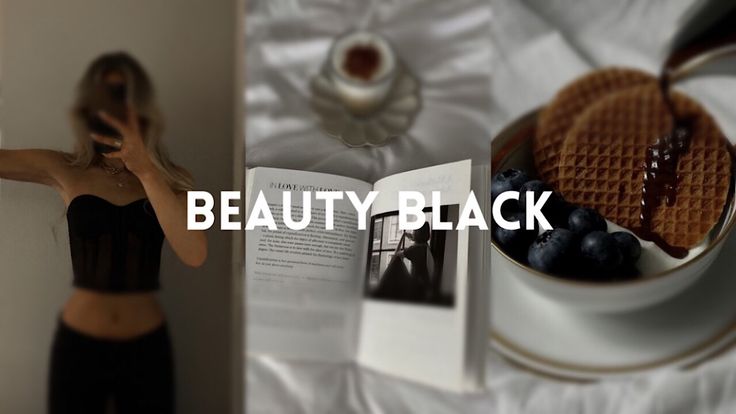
x=363, y=67
x=661, y=276
x=364, y=95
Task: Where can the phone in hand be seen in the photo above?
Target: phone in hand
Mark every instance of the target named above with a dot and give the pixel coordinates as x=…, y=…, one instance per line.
x=111, y=99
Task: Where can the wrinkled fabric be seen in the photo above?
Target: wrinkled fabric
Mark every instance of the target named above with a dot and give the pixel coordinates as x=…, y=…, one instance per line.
x=330, y=388
x=534, y=47
x=445, y=44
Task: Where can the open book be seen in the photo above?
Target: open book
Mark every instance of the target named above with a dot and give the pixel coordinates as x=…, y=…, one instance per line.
x=407, y=303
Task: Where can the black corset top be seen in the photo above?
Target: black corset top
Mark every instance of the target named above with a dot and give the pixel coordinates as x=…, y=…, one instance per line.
x=114, y=248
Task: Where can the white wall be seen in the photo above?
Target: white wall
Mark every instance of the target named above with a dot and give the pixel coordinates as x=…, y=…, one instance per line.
x=188, y=48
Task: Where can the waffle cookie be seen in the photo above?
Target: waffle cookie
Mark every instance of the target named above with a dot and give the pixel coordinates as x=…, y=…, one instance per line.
x=603, y=157
x=559, y=115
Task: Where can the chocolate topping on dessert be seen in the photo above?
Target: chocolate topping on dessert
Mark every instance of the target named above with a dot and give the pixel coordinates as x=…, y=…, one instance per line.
x=362, y=61
x=660, y=170
x=662, y=157
x=660, y=174
x=613, y=145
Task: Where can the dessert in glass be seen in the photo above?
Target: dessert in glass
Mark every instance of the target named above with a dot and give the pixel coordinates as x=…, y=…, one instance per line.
x=363, y=67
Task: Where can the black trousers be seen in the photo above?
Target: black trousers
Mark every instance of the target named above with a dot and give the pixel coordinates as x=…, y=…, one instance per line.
x=88, y=374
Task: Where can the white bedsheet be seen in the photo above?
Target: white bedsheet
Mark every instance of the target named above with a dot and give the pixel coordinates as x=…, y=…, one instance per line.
x=445, y=43
x=532, y=48
x=309, y=387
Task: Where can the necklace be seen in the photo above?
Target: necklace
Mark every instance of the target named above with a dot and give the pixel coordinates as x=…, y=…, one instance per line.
x=114, y=171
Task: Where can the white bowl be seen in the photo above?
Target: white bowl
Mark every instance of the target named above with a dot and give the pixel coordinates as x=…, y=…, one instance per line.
x=511, y=148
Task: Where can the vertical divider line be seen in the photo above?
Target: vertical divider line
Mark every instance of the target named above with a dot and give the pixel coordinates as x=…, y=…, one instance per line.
x=238, y=331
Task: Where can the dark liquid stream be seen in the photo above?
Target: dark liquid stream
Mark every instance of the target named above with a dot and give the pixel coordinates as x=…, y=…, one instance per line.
x=660, y=169
x=660, y=174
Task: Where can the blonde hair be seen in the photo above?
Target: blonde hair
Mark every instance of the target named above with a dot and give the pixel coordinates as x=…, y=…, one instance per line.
x=141, y=96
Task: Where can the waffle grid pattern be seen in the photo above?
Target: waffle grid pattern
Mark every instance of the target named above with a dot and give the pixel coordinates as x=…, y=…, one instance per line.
x=602, y=159
x=557, y=117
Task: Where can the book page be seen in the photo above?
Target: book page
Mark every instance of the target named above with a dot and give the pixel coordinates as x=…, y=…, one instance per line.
x=479, y=275
x=303, y=286
x=413, y=318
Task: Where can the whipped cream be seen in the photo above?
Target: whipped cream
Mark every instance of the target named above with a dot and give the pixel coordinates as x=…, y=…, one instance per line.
x=654, y=260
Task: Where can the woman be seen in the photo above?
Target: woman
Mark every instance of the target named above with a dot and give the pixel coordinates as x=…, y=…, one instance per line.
x=123, y=197
x=420, y=256
x=417, y=284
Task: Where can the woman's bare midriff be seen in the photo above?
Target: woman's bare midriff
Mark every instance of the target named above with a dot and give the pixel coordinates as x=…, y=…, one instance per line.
x=112, y=315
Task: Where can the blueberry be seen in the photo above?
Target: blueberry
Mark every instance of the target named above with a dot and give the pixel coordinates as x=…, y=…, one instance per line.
x=629, y=246
x=552, y=251
x=558, y=212
x=509, y=206
x=514, y=213
x=514, y=242
x=601, y=251
x=535, y=186
x=585, y=220
x=509, y=180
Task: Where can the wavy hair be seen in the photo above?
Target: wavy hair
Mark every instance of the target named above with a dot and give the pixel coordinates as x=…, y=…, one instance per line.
x=141, y=95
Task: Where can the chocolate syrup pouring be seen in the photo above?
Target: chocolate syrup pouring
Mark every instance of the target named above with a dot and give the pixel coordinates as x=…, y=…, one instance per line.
x=662, y=157
x=660, y=175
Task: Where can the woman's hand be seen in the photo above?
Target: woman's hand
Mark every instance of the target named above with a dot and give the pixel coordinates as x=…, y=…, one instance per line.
x=170, y=208
x=132, y=150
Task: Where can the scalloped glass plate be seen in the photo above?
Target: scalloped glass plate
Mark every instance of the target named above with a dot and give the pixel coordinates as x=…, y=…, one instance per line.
x=392, y=119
